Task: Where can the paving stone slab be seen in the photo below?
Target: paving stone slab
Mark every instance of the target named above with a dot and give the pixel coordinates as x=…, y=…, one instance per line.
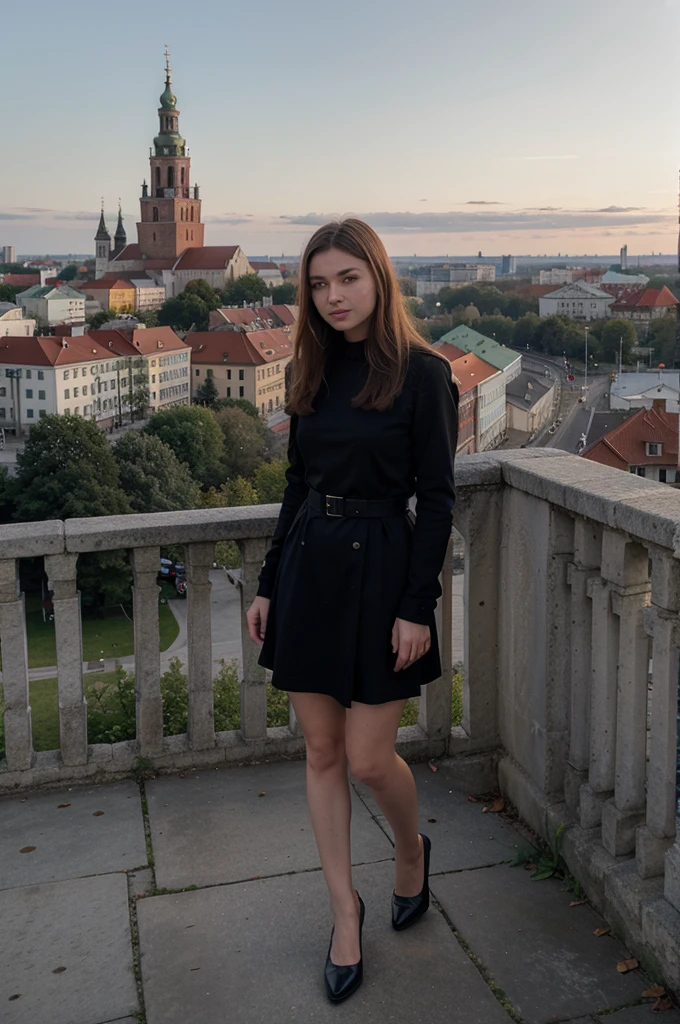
x=541, y=951
x=213, y=826
x=462, y=836
x=254, y=952
x=70, y=842
x=639, y=1015
x=81, y=925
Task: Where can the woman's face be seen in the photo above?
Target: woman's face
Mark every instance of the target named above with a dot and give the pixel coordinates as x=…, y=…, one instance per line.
x=344, y=292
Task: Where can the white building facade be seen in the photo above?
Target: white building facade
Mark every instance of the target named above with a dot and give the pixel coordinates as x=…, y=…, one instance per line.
x=55, y=305
x=578, y=301
x=13, y=322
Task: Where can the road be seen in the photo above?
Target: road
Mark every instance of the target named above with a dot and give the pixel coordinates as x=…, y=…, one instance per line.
x=575, y=416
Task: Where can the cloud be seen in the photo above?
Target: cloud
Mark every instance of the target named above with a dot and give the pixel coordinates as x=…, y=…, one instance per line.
x=81, y=215
x=569, y=156
x=616, y=209
x=483, y=202
x=16, y=216
x=456, y=222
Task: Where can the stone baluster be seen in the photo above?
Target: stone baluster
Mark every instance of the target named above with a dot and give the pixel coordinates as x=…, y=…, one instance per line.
x=605, y=653
x=253, y=681
x=478, y=519
x=656, y=836
x=585, y=566
x=198, y=561
x=628, y=573
x=61, y=572
x=18, y=734
x=149, y=703
x=434, y=712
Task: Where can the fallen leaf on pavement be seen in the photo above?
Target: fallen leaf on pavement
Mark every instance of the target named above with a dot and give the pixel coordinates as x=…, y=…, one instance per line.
x=655, y=991
x=432, y=766
x=263, y=793
x=624, y=966
x=27, y=849
x=432, y=820
x=473, y=799
x=601, y=931
x=97, y=814
x=663, y=1003
x=497, y=805
x=577, y=903
x=62, y=805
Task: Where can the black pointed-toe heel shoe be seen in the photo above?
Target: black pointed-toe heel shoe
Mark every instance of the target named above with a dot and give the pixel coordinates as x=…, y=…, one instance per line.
x=342, y=981
x=407, y=909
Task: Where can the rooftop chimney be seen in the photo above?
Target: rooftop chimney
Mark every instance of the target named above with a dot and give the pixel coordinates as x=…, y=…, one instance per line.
x=659, y=403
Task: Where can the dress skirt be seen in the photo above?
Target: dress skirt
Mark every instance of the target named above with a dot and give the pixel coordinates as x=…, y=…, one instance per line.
x=333, y=606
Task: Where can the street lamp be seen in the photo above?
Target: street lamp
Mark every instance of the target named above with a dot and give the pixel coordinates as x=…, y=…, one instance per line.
x=585, y=386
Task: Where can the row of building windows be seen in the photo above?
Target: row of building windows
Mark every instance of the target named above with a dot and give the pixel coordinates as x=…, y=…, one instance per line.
x=28, y=375
x=241, y=392
x=183, y=371
x=269, y=371
x=176, y=389
x=178, y=357
x=270, y=406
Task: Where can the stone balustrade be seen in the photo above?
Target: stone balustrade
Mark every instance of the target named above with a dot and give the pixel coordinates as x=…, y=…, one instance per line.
x=571, y=591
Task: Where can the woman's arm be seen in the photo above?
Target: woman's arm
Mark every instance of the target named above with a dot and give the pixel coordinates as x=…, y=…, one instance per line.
x=295, y=493
x=434, y=438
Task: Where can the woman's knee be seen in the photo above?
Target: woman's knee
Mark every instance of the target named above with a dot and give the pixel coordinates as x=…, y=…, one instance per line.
x=370, y=769
x=326, y=753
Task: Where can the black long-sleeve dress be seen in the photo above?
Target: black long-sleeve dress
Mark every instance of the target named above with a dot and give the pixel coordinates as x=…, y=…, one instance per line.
x=337, y=584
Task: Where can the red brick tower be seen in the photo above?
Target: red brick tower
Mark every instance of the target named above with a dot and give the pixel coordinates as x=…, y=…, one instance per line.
x=171, y=208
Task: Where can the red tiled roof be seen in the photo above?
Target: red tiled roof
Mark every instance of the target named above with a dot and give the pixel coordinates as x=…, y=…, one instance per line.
x=132, y=252
x=106, y=283
x=125, y=341
x=264, y=265
x=287, y=313
x=469, y=369
x=658, y=297
x=21, y=280
x=627, y=296
x=240, y=347
x=624, y=446
x=206, y=257
x=51, y=351
x=239, y=316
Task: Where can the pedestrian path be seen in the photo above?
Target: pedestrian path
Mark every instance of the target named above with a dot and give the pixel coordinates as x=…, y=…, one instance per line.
x=197, y=897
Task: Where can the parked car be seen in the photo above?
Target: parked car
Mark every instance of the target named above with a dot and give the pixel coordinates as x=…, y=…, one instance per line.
x=169, y=570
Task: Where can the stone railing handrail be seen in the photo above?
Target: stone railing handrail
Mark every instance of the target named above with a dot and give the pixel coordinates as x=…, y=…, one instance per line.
x=572, y=577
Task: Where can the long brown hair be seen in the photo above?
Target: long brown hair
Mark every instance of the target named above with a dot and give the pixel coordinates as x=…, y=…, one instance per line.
x=391, y=333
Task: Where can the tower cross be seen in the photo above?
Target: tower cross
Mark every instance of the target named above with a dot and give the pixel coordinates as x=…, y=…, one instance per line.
x=167, y=64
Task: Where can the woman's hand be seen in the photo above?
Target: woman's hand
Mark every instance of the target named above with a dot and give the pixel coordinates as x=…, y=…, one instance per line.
x=411, y=640
x=256, y=617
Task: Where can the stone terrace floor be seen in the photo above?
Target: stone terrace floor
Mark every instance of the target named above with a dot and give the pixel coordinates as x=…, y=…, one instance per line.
x=247, y=942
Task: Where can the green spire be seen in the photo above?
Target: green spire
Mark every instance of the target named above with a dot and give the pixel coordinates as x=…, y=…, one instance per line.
x=169, y=142
x=102, y=234
x=168, y=98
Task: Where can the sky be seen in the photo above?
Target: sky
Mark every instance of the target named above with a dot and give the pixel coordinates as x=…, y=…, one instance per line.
x=450, y=127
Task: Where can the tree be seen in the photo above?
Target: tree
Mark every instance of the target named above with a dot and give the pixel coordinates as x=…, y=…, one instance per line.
x=525, y=330
x=407, y=285
x=244, y=441
x=68, y=273
x=9, y=292
x=285, y=293
x=97, y=320
x=237, y=403
x=184, y=312
x=6, y=496
x=206, y=393
x=661, y=337
x=610, y=336
x=270, y=481
x=194, y=436
x=42, y=325
x=14, y=268
x=501, y=328
x=249, y=288
x=67, y=470
x=152, y=476
x=202, y=290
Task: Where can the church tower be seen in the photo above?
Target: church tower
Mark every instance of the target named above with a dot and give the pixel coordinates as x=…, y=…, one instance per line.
x=171, y=208
x=102, y=247
x=120, y=238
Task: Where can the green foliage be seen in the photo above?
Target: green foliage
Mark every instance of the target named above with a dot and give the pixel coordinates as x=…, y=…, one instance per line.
x=244, y=441
x=285, y=293
x=237, y=403
x=611, y=333
x=14, y=268
x=194, y=436
x=68, y=273
x=9, y=292
x=152, y=476
x=269, y=480
x=183, y=312
x=546, y=860
x=661, y=337
x=202, y=290
x=249, y=288
x=407, y=285
x=6, y=496
x=501, y=328
x=525, y=330
x=97, y=320
x=207, y=393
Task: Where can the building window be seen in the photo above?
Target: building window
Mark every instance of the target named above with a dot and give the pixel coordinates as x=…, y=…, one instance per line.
x=155, y=213
x=41, y=396
x=3, y=414
x=640, y=470
x=228, y=392
x=84, y=389
x=154, y=236
x=654, y=448
x=181, y=214
x=197, y=372
x=241, y=374
x=228, y=374
x=29, y=374
x=41, y=413
x=171, y=177
x=67, y=393
x=182, y=176
x=240, y=392
x=41, y=375
x=29, y=392
x=187, y=234
x=192, y=213
x=29, y=414
x=75, y=392
x=158, y=177
x=662, y=476
x=67, y=374
x=192, y=235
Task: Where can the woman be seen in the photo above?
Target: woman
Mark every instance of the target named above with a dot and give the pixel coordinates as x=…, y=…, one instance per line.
x=344, y=610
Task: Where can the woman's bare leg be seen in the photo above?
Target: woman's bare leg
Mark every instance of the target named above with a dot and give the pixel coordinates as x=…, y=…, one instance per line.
x=322, y=720
x=370, y=737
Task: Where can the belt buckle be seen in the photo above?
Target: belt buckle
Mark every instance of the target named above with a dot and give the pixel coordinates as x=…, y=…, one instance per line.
x=330, y=497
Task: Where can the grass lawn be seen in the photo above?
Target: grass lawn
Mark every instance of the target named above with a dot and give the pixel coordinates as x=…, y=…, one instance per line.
x=111, y=637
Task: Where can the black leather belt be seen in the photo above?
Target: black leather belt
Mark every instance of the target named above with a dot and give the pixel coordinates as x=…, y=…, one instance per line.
x=334, y=505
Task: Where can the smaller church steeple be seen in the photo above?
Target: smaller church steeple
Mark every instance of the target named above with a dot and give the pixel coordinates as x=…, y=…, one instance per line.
x=120, y=238
x=102, y=250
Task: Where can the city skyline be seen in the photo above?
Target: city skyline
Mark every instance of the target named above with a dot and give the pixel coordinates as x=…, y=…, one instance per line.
x=452, y=148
